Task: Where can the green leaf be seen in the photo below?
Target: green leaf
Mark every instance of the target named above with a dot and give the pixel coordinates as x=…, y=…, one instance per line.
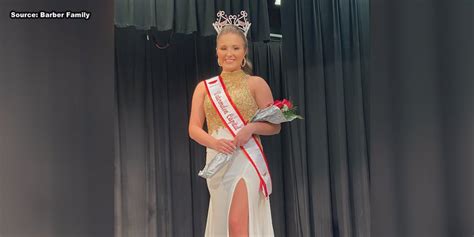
x=290, y=115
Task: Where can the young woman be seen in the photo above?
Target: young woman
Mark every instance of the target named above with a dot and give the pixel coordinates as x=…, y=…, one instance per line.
x=237, y=206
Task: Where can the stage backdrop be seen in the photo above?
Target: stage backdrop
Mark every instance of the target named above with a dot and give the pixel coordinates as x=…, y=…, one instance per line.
x=56, y=114
x=422, y=113
x=188, y=16
x=319, y=165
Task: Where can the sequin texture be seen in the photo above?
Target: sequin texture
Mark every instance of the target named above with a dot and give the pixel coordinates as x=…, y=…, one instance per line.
x=236, y=84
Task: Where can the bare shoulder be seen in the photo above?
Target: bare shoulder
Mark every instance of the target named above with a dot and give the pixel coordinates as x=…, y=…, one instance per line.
x=200, y=89
x=261, y=91
x=256, y=79
x=256, y=83
x=200, y=85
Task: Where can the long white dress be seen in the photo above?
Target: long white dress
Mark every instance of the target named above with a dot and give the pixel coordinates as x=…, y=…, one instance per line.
x=222, y=185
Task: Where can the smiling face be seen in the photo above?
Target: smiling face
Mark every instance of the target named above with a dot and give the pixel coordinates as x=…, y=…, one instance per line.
x=231, y=51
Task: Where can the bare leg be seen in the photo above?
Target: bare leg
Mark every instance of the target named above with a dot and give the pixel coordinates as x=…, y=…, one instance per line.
x=239, y=212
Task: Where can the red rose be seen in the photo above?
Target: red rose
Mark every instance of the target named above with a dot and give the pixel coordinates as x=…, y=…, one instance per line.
x=278, y=104
x=287, y=103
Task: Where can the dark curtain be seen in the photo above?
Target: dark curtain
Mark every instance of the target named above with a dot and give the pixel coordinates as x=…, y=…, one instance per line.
x=319, y=165
x=158, y=192
x=325, y=48
x=56, y=130
x=422, y=113
x=188, y=16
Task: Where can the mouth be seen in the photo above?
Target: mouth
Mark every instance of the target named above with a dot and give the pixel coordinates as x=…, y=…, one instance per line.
x=229, y=61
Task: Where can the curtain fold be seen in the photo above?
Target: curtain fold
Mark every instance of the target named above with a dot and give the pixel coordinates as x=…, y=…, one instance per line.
x=325, y=61
x=188, y=16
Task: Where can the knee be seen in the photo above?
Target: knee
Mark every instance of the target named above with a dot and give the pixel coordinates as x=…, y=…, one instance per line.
x=236, y=225
x=238, y=214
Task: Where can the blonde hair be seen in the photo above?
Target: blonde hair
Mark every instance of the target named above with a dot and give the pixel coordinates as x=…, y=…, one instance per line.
x=247, y=68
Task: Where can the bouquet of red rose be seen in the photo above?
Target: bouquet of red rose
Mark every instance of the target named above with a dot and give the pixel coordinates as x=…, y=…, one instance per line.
x=279, y=112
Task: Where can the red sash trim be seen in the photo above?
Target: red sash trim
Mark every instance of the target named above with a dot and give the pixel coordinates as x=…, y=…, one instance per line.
x=263, y=185
x=245, y=123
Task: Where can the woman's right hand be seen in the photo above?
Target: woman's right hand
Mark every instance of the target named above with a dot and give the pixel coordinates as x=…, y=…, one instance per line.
x=224, y=146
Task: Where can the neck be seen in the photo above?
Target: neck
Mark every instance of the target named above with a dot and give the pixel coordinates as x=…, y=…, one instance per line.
x=237, y=70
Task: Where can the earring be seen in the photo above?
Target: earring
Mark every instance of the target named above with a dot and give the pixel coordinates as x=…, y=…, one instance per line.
x=244, y=62
x=218, y=63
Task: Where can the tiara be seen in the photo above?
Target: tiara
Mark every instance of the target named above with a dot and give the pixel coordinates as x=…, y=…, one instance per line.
x=240, y=21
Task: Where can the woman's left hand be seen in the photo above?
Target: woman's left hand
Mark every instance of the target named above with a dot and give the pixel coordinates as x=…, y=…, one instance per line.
x=244, y=135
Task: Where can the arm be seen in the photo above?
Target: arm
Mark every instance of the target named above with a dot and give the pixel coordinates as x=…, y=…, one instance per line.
x=263, y=96
x=196, y=122
x=264, y=128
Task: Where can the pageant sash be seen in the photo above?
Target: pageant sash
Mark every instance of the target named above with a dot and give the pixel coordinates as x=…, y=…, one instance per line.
x=234, y=121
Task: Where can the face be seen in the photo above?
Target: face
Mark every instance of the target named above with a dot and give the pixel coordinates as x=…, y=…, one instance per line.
x=230, y=52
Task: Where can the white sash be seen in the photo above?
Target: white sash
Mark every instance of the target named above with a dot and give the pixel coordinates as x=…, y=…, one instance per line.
x=234, y=121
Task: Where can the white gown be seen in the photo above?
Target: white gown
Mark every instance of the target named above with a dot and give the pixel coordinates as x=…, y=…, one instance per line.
x=222, y=185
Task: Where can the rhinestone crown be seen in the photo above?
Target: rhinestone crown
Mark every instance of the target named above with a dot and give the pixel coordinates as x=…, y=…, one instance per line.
x=240, y=21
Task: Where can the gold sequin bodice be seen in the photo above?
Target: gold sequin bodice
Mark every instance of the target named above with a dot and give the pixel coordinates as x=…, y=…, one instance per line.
x=236, y=84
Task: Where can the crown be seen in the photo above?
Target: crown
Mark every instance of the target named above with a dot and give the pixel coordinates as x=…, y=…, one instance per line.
x=240, y=21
